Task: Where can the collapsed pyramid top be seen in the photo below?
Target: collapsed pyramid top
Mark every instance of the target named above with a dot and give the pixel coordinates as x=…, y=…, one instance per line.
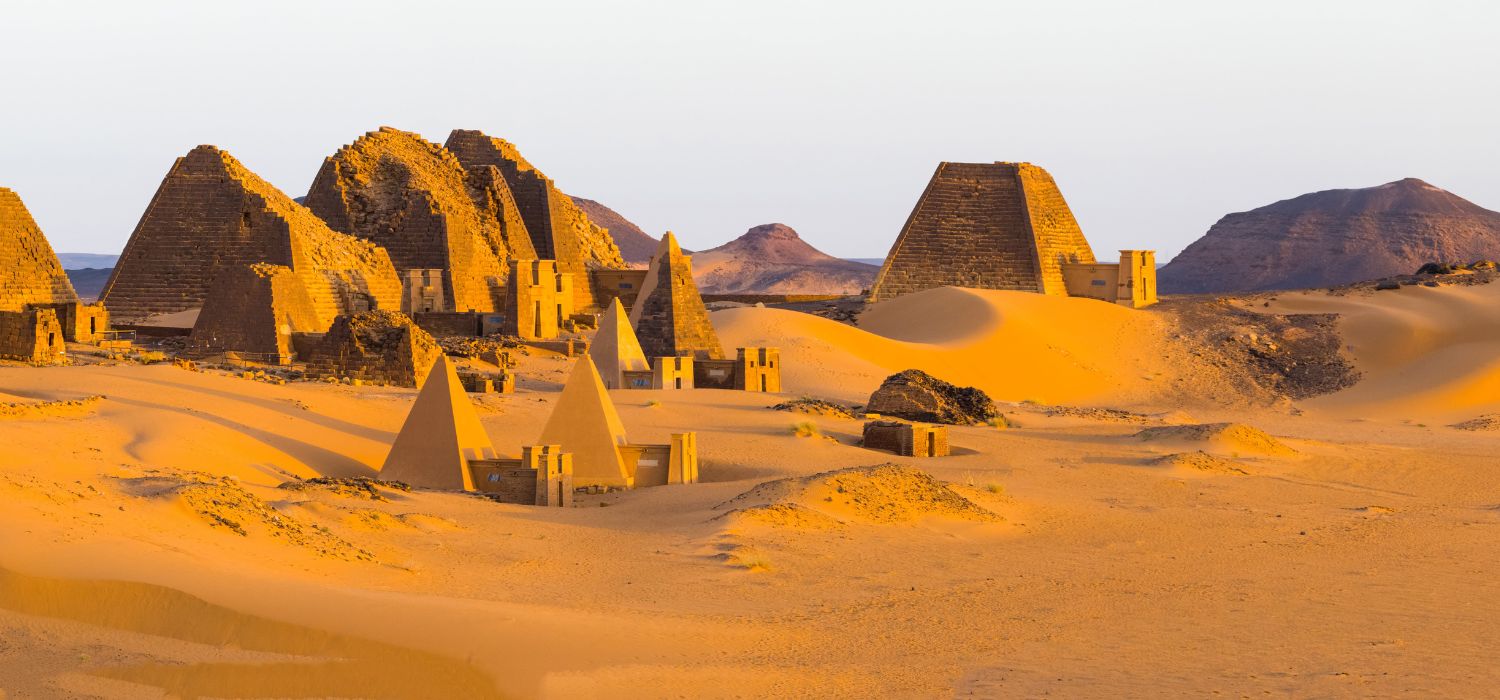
x=615, y=349
x=669, y=316
x=414, y=198
x=29, y=270
x=985, y=225
x=439, y=437
x=585, y=423
x=211, y=212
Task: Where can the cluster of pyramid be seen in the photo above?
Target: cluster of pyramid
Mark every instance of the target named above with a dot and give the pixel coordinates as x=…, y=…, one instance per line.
x=39, y=309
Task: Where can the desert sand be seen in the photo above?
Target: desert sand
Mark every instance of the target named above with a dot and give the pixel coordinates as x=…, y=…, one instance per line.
x=1343, y=545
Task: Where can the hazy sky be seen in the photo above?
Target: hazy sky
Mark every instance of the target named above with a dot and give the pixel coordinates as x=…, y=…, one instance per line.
x=707, y=118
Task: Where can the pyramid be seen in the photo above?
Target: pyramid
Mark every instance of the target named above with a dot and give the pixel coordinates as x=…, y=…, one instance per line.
x=585, y=423
x=413, y=198
x=988, y=226
x=440, y=435
x=615, y=349
x=254, y=309
x=209, y=213
x=559, y=229
x=29, y=270
x=669, y=317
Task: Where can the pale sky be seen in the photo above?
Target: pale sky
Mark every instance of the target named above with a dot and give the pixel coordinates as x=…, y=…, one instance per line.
x=707, y=118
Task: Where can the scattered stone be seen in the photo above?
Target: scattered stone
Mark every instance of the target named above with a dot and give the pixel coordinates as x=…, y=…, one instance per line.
x=915, y=395
x=817, y=407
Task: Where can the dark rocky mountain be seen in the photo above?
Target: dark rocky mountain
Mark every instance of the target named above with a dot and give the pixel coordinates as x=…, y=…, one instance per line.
x=636, y=246
x=773, y=259
x=1335, y=237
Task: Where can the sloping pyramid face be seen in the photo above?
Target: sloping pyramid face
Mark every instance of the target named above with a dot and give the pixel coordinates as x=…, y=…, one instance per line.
x=29, y=271
x=440, y=435
x=585, y=423
x=211, y=212
x=615, y=349
x=413, y=198
x=559, y=229
x=254, y=309
x=669, y=317
x=988, y=226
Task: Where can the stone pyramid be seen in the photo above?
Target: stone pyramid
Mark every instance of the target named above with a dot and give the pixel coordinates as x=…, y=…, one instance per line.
x=255, y=309
x=211, y=213
x=29, y=270
x=585, y=423
x=615, y=349
x=440, y=435
x=669, y=317
x=559, y=229
x=985, y=225
x=413, y=198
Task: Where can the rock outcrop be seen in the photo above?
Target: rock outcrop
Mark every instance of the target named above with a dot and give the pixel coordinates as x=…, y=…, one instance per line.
x=773, y=259
x=212, y=213
x=636, y=246
x=559, y=229
x=916, y=395
x=1335, y=237
x=413, y=198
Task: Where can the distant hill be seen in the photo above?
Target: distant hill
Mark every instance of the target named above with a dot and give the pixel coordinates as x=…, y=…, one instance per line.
x=89, y=281
x=79, y=261
x=877, y=262
x=773, y=259
x=636, y=246
x=1335, y=237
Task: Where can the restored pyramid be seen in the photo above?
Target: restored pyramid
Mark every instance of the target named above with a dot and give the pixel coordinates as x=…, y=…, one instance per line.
x=29, y=270
x=559, y=229
x=440, y=435
x=615, y=349
x=669, y=317
x=413, y=198
x=585, y=423
x=985, y=225
x=211, y=213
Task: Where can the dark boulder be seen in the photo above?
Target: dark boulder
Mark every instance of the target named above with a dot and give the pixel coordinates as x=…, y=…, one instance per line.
x=919, y=396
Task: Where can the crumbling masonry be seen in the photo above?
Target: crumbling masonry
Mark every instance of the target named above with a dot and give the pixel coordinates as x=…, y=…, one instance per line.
x=38, y=308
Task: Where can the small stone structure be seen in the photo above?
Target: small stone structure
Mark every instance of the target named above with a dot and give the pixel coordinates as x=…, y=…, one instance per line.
x=1130, y=282
x=609, y=284
x=752, y=369
x=907, y=439
x=39, y=309
x=672, y=373
x=543, y=476
x=997, y=226
x=500, y=383
x=615, y=351
x=382, y=347
x=539, y=300
x=916, y=395
x=422, y=291
x=585, y=423
x=669, y=317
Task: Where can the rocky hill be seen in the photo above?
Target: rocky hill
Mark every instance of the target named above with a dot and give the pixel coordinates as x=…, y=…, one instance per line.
x=636, y=246
x=1335, y=237
x=773, y=259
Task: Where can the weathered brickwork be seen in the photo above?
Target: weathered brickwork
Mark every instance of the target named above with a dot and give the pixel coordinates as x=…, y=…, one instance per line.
x=559, y=229
x=29, y=271
x=212, y=213
x=32, y=335
x=907, y=439
x=253, y=310
x=984, y=225
x=415, y=199
x=381, y=347
x=540, y=300
x=668, y=315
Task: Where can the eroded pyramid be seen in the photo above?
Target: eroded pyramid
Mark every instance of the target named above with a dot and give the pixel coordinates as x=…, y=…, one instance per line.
x=615, y=349
x=440, y=435
x=586, y=424
x=668, y=315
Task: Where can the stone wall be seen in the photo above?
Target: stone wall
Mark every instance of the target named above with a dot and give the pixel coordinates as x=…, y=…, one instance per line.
x=907, y=439
x=539, y=300
x=33, y=335
x=380, y=347
x=988, y=226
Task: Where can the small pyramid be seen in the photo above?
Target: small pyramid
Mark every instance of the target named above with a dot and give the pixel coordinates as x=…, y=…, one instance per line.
x=440, y=435
x=29, y=271
x=669, y=317
x=585, y=423
x=615, y=349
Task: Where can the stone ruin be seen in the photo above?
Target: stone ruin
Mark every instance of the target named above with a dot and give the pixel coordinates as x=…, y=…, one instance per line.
x=668, y=314
x=1004, y=226
x=918, y=396
x=38, y=308
x=559, y=229
x=252, y=311
x=211, y=215
x=378, y=347
x=430, y=213
x=907, y=439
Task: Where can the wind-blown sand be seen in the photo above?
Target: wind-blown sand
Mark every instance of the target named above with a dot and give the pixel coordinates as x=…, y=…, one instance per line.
x=146, y=546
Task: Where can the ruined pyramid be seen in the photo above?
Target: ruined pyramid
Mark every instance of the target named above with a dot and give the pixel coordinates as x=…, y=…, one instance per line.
x=559, y=229
x=585, y=423
x=440, y=435
x=413, y=198
x=668, y=315
x=29, y=270
x=988, y=226
x=211, y=213
x=615, y=349
x=254, y=309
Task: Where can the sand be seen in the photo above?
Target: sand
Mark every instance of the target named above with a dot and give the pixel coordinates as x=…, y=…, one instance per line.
x=147, y=547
